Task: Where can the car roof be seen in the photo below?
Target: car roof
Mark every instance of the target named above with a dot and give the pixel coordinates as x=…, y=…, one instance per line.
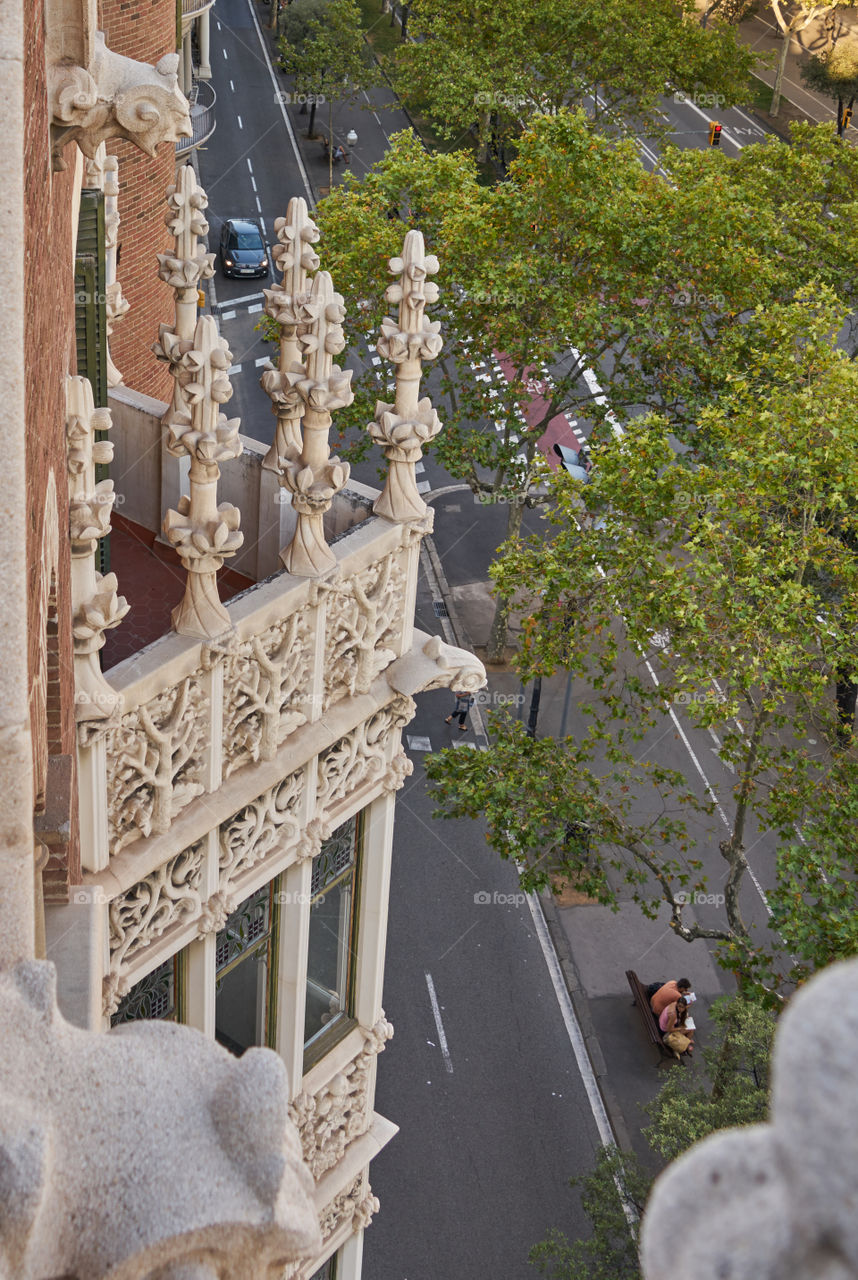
x=243, y=224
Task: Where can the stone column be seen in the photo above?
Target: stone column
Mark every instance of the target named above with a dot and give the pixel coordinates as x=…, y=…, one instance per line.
x=314, y=476
x=288, y=304
x=202, y=532
x=377, y=857
x=102, y=172
x=204, y=71
x=402, y=428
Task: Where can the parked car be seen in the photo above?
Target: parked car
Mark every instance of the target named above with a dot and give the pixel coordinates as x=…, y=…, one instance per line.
x=242, y=249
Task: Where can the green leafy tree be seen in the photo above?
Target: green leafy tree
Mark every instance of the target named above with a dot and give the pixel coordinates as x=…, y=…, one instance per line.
x=580, y=261
x=746, y=574
x=791, y=23
x=324, y=48
x=732, y=1090
x=835, y=74
x=486, y=67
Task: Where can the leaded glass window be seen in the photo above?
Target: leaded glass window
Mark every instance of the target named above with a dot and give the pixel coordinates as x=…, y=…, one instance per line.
x=332, y=935
x=155, y=996
x=246, y=964
x=328, y=1271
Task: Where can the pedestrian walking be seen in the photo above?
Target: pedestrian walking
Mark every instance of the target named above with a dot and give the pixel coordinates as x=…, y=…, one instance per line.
x=464, y=702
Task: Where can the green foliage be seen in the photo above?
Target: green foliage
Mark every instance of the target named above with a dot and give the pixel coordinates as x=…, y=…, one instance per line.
x=834, y=74
x=746, y=569
x=323, y=47
x=732, y=1090
x=489, y=66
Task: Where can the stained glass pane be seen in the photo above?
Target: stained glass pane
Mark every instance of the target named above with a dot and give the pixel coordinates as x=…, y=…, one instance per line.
x=152, y=997
x=336, y=856
x=244, y=928
x=332, y=929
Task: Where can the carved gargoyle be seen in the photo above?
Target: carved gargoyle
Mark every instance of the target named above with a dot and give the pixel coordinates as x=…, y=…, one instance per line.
x=116, y=97
x=148, y=1153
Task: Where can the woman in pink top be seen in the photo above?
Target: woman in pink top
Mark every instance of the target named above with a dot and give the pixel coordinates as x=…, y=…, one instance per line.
x=676, y=1035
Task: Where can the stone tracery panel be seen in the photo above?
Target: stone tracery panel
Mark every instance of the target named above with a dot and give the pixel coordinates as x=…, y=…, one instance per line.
x=264, y=681
x=340, y=1111
x=169, y=896
x=364, y=623
x=268, y=824
x=360, y=756
x=155, y=762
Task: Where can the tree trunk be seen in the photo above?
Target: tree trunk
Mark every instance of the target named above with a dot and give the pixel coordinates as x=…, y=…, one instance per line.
x=534, y=707
x=786, y=36
x=847, y=696
x=311, y=125
x=483, y=151
x=406, y=9
x=497, y=639
x=330, y=146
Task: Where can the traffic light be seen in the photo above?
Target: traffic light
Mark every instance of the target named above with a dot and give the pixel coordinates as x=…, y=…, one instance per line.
x=847, y=116
x=714, y=134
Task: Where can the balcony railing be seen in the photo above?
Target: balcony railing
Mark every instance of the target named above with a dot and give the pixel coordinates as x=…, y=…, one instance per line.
x=202, y=99
x=193, y=8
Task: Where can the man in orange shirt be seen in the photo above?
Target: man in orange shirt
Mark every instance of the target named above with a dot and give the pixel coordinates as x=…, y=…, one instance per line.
x=669, y=994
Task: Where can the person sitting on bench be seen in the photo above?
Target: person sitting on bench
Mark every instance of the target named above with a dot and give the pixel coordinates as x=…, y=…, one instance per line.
x=669, y=993
x=677, y=1036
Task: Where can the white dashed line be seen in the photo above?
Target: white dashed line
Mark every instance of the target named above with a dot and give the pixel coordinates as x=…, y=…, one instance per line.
x=225, y=54
x=232, y=86
x=233, y=368
x=249, y=165
x=253, y=182
x=439, y=1026
x=423, y=486
x=227, y=315
x=240, y=125
x=257, y=306
x=261, y=361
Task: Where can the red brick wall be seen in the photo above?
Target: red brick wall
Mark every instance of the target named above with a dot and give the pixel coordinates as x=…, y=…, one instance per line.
x=49, y=356
x=145, y=30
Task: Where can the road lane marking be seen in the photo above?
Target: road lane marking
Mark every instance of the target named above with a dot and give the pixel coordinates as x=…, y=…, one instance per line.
x=240, y=125
x=261, y=361
x=225, y=54
x=232, y=86
x=249, y=165
x=253, y=182
x=439, y=1026
x=227, y=315
x=237, y=302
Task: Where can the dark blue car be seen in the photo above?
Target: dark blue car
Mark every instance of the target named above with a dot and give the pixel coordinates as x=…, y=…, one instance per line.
x=242, y=249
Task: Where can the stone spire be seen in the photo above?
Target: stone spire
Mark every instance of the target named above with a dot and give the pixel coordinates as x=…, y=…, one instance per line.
x=402, y=428
x=95, y=603
x=287, y=303
x=202, y=532
x=313, y=477
x=188, y=265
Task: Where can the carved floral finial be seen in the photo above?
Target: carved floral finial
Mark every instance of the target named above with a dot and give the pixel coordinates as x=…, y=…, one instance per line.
x=402, y=428
x=203, y=532
x=314, y=476
x=288, y=304
x=95, y=604
x=116, y=97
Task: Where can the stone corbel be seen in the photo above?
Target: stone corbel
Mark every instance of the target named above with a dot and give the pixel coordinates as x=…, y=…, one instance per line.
x=115, y=97
x=432, y=664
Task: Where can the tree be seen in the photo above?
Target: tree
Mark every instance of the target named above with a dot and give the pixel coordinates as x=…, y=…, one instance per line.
x=489, y=67
x=805, y=12
x=582, y=260
x=747, y=572
x=323, y=47
x=835, y=74
x=733, y=1090
x=732, y=11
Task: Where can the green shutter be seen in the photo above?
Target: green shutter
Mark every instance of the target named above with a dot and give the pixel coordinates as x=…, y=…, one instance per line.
x=90, y=315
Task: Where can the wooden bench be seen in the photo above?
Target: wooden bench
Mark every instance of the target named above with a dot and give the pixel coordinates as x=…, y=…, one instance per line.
x=650, y=1021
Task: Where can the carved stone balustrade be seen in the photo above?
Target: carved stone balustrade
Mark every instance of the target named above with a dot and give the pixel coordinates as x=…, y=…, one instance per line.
x=404, y=427
x=202, y=532
x=112, y=97
x=776, y=1201
x=96, y=604
x=313, y=477
x=289, y=304
x=102, y=172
